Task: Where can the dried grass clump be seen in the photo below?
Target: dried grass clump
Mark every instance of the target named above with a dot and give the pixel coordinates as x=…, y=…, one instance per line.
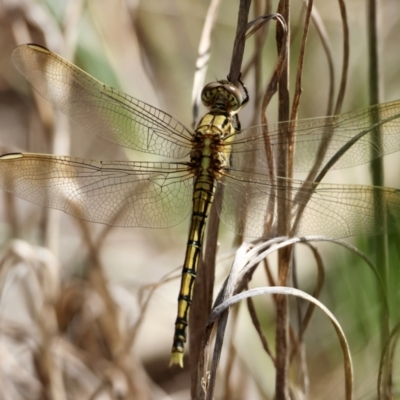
x=62, y=339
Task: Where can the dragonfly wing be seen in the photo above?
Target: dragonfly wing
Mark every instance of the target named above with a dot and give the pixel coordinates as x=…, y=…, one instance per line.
x=250, y=207
x=244, y=209
x=120, y=193
x=339, y=211
x=106, y=112
x=347, y=137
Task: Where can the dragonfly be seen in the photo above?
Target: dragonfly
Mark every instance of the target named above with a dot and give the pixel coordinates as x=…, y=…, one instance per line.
x=217, y=155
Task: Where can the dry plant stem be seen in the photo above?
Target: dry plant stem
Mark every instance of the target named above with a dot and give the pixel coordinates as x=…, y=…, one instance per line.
x=199, y=366
x=346, y=56
x=230, y=362
x=271, y=280
x=379, y=242
x=50, y=374
x=298, y=347
x=283, y=290
x=317, y=290
x=295, y=342
x=255, y=60
x=272, y=88
x=109, y=325
x=203, y=292
x=328, y=134
x=203, y=295
x=46, y=113
x=200, y=387
x=258, y=327
x=225, y=292
x=203, y=57
x=9, y=202
x=284, y=255
x=248, y=256
x=298, y=88
x=238, y=46
x=311, y=177
x=61, y=132
x=386, y=362
x=323, y=35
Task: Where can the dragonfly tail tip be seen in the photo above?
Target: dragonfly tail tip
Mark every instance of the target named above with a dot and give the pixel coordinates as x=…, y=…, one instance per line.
x=176, y=359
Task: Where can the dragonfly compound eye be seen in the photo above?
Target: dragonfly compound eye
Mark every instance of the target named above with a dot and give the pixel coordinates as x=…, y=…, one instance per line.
x=209, y=92
x=222, y=95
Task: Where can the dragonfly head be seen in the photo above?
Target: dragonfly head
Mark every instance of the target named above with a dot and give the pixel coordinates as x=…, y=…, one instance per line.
x=222, y=96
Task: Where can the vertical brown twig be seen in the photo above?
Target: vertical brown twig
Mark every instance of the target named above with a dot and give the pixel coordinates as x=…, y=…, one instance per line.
x=284, y=256
x=203, y=294
x=205, y=278
x=377, y=171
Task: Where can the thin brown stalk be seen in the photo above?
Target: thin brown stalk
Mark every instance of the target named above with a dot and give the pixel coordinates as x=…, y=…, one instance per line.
x=271, y=280
x=328, y=131
x=257, y=326
x=231, y=357
x=272, y=88
x=255, y=61
x=387, y=362
x=203, y=57
x=303, y=323
x=346, y=55
x=108, y=321
x=300, y=66
x=203, y=297
x=323, y=36
x=284, y=256
x=207, y=270
x=238, y=46
x=380, y=242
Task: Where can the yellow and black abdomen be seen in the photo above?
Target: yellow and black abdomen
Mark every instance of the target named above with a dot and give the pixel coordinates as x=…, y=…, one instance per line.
x=207, y=159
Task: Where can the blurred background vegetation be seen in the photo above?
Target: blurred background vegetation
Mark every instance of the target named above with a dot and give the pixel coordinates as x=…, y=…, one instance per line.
x=57, y=321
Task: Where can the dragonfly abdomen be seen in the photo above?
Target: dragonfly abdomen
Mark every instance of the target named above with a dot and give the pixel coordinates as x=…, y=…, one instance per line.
x=203, y=196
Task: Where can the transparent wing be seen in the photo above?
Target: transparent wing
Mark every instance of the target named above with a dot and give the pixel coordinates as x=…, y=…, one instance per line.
x=337, y=211
x=104, y=111
x=120, y=193
x=351, y=132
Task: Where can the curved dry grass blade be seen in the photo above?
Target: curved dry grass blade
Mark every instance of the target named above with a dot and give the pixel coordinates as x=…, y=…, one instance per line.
x=317, y=290
x=203, y=57
x=39, y=288
x=255, y=60
x=273, y=83
x=300, y=64
x=206, y=382
x=346, y=55
x=232, y=355
x=297, y=344
x=144, y=302
x=257, y=326
x=323, y=35
x=386, y=365
x=16, y=382
x=248, y=256
x=348, y=366
x=328, y=134
x=115, y=340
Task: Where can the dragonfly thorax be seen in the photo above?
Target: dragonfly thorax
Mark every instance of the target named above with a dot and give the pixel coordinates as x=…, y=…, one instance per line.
x=210, y=149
